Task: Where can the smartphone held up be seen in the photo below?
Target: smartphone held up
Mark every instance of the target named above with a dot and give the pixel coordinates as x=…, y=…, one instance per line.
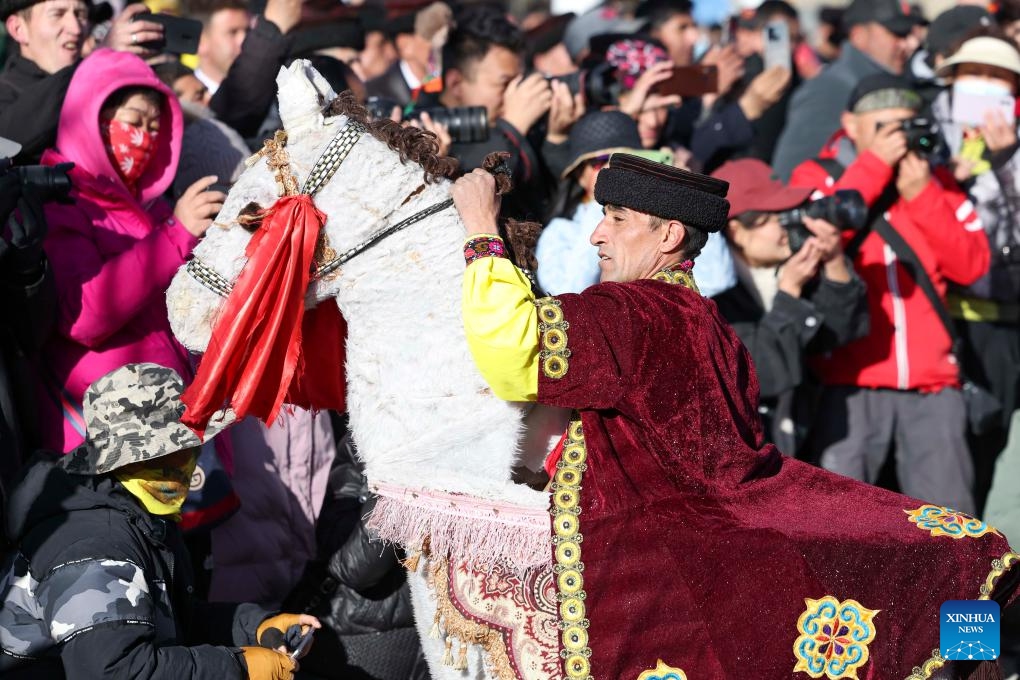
x=180, y=35
x=691, y=81
x=776, y=45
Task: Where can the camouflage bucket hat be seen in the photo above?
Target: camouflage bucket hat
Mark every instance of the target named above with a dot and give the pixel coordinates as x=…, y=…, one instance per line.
x=134, y=414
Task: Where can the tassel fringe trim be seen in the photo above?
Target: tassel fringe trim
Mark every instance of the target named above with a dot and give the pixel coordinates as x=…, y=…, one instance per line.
x=471, y=529
x=456, y=629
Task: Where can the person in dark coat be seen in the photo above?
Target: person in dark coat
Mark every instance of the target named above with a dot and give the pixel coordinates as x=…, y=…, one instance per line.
x=408, y=73
x=879, y=41
x=28, y=312
x=37, y=73
x=786, y=304
x=243, y=98
x=356, y=586
x=99, y=584
x=483, y=64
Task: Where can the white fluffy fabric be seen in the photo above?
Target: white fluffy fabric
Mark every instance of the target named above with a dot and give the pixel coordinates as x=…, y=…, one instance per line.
x=421, y=414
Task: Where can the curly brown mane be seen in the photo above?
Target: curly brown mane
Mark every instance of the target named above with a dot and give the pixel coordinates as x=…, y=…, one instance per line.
x=410, y=142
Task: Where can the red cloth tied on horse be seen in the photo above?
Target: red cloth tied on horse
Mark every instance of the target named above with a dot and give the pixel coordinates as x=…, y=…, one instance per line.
x=256, y=360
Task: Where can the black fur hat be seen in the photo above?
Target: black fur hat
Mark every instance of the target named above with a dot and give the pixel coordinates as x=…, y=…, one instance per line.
x=664, y=191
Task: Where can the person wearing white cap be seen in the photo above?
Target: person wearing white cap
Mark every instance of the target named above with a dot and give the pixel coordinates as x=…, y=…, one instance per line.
x=982, y=141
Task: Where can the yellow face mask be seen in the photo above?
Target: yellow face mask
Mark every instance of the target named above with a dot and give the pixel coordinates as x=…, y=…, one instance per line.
x=161, y=484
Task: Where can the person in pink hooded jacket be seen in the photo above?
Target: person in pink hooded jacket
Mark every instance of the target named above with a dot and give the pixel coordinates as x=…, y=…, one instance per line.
x=115, y=248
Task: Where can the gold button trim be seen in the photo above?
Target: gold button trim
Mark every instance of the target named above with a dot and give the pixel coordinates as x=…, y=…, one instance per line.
x=567, y=540
x=552, y=329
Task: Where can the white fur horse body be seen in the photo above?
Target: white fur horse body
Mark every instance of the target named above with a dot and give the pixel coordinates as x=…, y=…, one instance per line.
x=426, y=425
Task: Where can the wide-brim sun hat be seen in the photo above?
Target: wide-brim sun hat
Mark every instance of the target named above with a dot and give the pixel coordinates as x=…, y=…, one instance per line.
x=133, y=414
x=983, y=50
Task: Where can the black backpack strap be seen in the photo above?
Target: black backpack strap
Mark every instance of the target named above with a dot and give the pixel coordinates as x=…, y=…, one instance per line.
x=831, y=166
x=906, y=255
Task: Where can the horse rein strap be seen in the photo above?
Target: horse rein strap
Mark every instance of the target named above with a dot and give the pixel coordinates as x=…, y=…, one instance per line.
x=338, y=149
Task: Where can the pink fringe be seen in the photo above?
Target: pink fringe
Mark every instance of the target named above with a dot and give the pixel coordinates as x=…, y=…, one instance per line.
x=467, y=527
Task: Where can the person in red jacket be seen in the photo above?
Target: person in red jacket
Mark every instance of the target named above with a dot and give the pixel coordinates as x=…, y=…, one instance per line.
x=898, y=387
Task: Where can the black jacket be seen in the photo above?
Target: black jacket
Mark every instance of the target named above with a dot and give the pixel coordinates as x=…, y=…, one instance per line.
x=533, y=173
x=390, y=86
x=826, y=316
x=356, y=586
x=30, y=101
x=246, y=94
x=114, y=583
x=28, y=312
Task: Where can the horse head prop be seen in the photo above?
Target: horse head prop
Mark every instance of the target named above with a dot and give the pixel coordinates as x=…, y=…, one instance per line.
x=338, y=208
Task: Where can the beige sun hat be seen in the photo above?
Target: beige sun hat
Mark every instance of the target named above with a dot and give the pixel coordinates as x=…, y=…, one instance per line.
x=984, y=50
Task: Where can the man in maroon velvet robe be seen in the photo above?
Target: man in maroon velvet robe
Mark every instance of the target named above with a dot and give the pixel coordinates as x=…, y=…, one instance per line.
x=705, y=552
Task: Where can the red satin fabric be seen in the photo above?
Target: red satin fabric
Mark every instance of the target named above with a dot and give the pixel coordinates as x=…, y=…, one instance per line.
x=701, y=543
x=255, y=351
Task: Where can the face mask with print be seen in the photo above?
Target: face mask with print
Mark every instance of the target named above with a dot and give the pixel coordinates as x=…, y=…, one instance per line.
x=129, y=148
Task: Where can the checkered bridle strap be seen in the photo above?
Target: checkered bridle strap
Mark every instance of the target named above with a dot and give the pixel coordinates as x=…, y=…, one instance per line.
x=332, y=157
x=325, y=168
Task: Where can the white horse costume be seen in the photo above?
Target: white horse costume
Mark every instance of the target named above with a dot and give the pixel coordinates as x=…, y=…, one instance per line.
x=438, y=447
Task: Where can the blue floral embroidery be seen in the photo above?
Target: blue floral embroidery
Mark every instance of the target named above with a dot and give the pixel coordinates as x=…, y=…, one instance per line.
x=834, y=638
x=942, y=521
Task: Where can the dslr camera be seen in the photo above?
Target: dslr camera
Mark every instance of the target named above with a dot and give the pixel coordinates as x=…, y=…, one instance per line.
x=466, y=124
x=45, y=182
x=845, y=209
x=922, y=134
x=597, y=85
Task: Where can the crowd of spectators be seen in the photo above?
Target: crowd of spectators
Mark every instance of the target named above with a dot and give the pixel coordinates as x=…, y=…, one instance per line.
x=871, y=263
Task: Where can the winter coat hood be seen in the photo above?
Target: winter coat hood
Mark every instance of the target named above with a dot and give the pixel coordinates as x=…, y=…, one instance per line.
x=78, y=137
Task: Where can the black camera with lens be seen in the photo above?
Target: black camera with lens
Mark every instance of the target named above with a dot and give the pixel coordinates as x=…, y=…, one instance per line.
x=46, y=183
x=466, y=124
x=845, y=209
x=922, y=135
x=597, y=85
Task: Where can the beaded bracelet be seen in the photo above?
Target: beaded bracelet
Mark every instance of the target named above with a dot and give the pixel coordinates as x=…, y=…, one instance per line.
x=483, y=246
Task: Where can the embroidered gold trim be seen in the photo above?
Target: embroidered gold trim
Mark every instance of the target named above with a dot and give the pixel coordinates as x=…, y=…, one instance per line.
x=569, y=569
x=676, y=276
x=923, y=672
x=455, y=627
x=552, y=328
x=999, y=567
x=662, y=671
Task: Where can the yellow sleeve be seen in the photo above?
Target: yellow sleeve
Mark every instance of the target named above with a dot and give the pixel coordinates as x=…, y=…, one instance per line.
x=501, y=323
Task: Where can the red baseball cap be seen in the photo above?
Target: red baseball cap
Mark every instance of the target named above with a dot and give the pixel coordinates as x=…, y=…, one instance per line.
x=752, y=187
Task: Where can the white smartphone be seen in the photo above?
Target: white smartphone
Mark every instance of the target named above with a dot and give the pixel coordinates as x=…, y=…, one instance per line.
x=776, y=41
x=970, y=109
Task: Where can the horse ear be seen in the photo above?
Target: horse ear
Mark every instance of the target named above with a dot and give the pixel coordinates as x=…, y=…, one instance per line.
x=303, y=94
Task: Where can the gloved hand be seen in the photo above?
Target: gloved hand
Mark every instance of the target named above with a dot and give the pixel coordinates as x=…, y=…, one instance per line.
x=268, y=664
x=285, y=630
x=23, y=253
